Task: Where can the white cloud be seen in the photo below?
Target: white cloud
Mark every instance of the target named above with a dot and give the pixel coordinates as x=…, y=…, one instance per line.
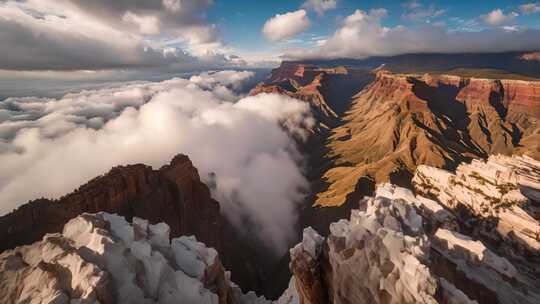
x=497, y=17
x=320, y=6
x=48, y=147
x=148, y=25
x=100, y=34
x=416, y=11
x=284, y=26
x=362, y=35
x=530, y=8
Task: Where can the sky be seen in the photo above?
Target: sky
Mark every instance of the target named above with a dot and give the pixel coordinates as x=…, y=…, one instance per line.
x=165, y=36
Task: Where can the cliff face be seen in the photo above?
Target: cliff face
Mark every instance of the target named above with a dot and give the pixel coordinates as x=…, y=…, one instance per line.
x=173, y=194
x=401, y=121
x=476, y=243
x=327, y=90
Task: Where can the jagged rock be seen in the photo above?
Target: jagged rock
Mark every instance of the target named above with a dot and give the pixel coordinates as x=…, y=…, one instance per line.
x=173, y=194
x=405, y=248
x=101, y=258
x=495, y=191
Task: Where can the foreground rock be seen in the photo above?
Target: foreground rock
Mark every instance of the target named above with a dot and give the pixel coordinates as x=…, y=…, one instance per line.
x=402, y=248
x=101, y=258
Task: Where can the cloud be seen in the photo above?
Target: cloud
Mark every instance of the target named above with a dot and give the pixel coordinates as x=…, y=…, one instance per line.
x=362, y=35
x=103, y=34
x=416, y=11
x=320, y=6
x=50, y=146
x=530, y=8
x=281, y=27
x=497, y=17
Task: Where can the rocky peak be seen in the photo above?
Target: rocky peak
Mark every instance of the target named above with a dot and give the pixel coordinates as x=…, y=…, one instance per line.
x=101, y=258
x=173, y=194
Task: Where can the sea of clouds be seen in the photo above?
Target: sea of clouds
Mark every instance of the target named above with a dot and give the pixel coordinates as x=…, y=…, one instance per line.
x=246, y=145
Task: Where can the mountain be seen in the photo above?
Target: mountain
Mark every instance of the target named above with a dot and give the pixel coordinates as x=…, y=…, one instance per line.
x=173, y=194
x=385, y=124
x=505, y=65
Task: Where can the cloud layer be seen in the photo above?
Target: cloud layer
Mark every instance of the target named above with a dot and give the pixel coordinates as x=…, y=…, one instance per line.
x=285, y=26
x=362, y=35
x=103, y=34
x=50, y=146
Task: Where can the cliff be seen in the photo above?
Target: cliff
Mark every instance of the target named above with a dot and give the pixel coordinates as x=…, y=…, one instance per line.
x=173, y=194
x=401, y=121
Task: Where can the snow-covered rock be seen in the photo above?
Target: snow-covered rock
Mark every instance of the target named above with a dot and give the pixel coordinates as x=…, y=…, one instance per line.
x=101, y=258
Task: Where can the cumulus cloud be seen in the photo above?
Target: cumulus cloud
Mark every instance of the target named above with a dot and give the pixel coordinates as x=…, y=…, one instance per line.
x=498, y=17
x=362, y=35
x=530, y=8
x=243, y=145
x=284, y=26
x=320, y=6
x=103, y=34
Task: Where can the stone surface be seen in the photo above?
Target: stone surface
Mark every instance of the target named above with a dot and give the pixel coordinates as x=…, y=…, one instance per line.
x=457, y=246
x=101, y=258
x=497, y=192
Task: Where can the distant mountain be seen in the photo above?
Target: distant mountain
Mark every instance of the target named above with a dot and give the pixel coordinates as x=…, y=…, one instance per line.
x=513, y=64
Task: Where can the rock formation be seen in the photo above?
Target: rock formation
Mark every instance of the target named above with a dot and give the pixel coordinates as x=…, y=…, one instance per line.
x=173, y=194
x=402, y=121
x=101, y=258
x=399, y=247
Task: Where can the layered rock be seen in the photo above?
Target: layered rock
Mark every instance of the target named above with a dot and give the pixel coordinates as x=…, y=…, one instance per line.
x=101, y=258
x=173, y=194
x=327, y=90
x=401, y=121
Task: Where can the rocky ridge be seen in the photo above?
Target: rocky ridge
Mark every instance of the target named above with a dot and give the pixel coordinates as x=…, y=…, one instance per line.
x=399, y=247
x=101, y=258
x=174, y=194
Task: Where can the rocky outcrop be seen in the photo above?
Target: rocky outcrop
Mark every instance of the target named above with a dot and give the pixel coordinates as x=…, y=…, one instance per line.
x=497, y=197
x=402, y=121
x=101, y=258
x=399, y=247
x=173, y=194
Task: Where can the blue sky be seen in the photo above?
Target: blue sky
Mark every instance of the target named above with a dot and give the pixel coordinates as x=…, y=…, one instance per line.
x=169, y=36
x=241, y=21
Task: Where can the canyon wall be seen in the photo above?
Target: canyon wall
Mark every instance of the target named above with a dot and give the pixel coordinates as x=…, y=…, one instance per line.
x=401, y=121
